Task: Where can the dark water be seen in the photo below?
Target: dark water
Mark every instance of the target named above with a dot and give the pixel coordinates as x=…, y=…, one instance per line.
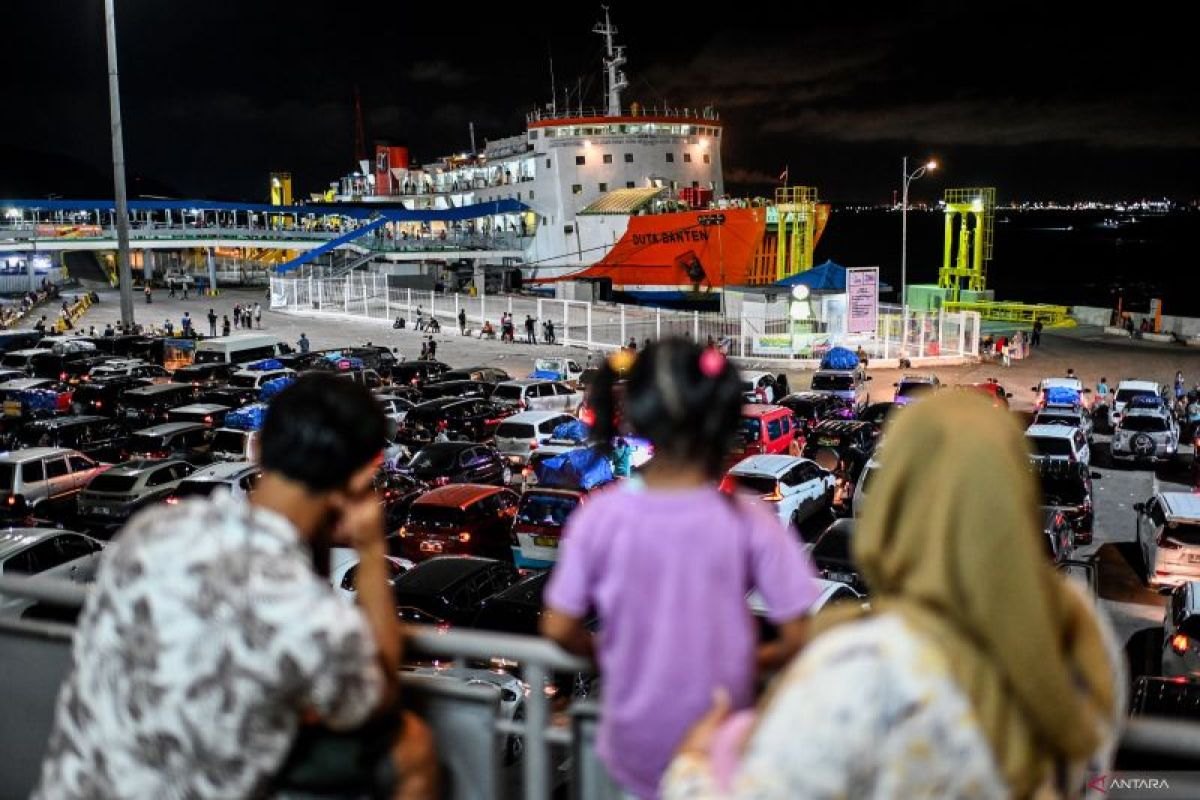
x=1064, y=257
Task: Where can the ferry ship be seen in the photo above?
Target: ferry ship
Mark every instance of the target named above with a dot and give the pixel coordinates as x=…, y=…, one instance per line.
x=630, y=197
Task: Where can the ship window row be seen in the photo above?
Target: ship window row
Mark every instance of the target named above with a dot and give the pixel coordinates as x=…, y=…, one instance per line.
x=577, y=188
x=628, y=128
x=607, y=158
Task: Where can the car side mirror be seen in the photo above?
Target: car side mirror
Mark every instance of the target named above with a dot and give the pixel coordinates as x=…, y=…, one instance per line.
x=1139, y=508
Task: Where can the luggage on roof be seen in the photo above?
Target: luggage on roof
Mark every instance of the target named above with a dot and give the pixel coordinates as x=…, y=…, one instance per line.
x=265, y=364
x=585, y=468
x=573, y=431
x=839, y=358
x=274, y=387
x=247, y=418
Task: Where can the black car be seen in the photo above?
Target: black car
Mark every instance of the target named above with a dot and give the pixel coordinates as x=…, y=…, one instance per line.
x=126, y=346
x=810, y=408
x=228, y=396
x=517, y=609
x=100, y=438
x=471, y=419
x=848, y=442
x=102, y=395
x=418, y=373
x=441, y=463
x=459, y=389
x=397, y=491
x=204, y=374
x=148, y=405
x=831, y=555
x=64, y=366
x=492, y=375
x=1067, y=489
x=878, y=413
x=1057, y=537
x=450, y=590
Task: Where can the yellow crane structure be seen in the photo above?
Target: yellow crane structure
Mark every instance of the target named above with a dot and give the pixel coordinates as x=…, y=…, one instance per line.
x=796, y=207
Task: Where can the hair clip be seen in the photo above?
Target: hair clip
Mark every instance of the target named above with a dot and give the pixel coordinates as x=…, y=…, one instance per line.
x=711, y=362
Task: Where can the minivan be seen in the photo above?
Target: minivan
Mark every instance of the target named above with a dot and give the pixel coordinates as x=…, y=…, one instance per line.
x=240, y=348
x=521, y=434
x=186, y=440
x=38, y=476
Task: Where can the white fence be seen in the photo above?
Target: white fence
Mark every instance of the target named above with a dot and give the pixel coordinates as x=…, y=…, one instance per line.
x=931, y=338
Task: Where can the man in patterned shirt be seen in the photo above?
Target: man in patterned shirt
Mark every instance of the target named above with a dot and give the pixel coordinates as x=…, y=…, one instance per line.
x=211, y=639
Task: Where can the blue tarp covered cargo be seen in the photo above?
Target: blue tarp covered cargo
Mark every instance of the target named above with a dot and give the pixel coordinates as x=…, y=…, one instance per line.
x=573, y=431
x=545, y=375
x=839, y=358
x=247, y=418
x=1061, y=396
x=274, y=387
x=585, y=468
x=265, y=364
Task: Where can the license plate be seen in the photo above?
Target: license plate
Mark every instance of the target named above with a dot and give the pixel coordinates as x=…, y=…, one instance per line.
x=842, y=577
x=101, y=510
x=431, y=547
x=545, y=541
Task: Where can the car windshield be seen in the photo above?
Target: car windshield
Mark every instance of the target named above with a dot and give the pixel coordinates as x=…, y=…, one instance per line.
x=227, y=441
x=912, y=389
x=832, y=383
x=435, y=458
x=1058, y=490
x=508, y=392
x=515, y=430
x=142, y=443
x=545, y=365
x=1149, y=424
x=541, y=509
x=437, y=516
x=1071, y=420
x=119, y=484
x=750, y=429
x=197, y=488
x=1049, y=445
x=758, y=484
x=1127, y=395
x=244, y=381
x=1183, y=533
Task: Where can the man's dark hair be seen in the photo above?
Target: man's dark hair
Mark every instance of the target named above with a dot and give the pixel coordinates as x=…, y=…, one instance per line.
x=320, y=430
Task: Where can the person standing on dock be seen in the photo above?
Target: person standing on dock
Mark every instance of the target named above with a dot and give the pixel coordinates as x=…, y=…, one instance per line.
x=212, y=322
x=1036, y=339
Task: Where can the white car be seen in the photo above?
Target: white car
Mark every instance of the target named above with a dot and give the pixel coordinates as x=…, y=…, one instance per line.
x=753, y=381
x=254, y=378
x=1073, y=384
x=521, y=434
x=133, y=368
x=535, y=395
x=869, y=471
x=46, y=552
x=1168, y=534
x=1126, y=392
x=343, y=571
x=511, y=690
x=827, y=592
x=1058, y=441
x=1181, y=632
x=796, y=487
x=236, y=477
x=1146, y=432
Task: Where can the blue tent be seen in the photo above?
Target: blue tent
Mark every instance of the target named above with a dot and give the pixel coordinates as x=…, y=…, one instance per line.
x=828, y=277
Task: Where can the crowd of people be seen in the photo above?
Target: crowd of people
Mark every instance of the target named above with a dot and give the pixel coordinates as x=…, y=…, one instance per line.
x=976, y=671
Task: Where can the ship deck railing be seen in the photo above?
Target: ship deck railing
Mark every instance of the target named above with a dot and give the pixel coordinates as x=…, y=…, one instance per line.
x=696, y=114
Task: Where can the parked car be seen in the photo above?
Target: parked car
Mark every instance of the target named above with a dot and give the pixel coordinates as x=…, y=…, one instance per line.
x=210, y=415
x=846, y=441
x=235, y=444
x=148, y=405
x=1127, y=391
x=185, y=440
x=863, y=484
x=68, y=367
x=1058, y=537
x=255, y=378
x=1168, y=535
x=1146, y=431
x=1071, y=416
x=99, y=438
x=394, y=408
x=455, y=389
x=343, y=571
x=48, y=553
x=129, y=368
x=809, y=408
x=847, y=385
x=992, y=388
x=227, y=396
x=492, y=375
x=521, y=434
x=796, y=488
x=450, y=590
x=15, y=395
x=558, y=368
x=1181, y=632
x=832, y=555
x=1047, y=385
x=535, y=395
x=766, y=429
x=38, y=479
x=441, y=463
x=877, y=414
x=115, y=494
x=214, y=374
x=417, y=373
x=1057, y=441
x=538, y=526
x=517, y=609
x=1067, y=488
x=237, y=478
x=397, y=492
x=472, y=419
x=463, y=519
x=913, y=387
x=102, y=395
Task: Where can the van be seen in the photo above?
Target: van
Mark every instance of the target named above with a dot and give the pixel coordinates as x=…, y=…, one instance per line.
x=232, y=444
x=1168, y=535
x=186, y=440
x=521, y=434
x=240, y=348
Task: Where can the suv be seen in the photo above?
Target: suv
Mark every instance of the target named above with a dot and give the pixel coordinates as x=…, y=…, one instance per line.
x=455, y=389
x=115, y=494
x=204, y=374
x=796, y=488
x=473, y=419
x=1058, y=441
x=846, y=384
x=1071, y=385
x=417, y=373
x=842, y=440
x=464, y=519
x=97, y=437
x=234, y=444
x=102, y=396
x=237, y=477
x=450, y=590
x=37, y=476
x=210, y=415
x=913, y=387
x=440, y=463
x=767, y=429
x=186, y=440
x=129, y=368
x=255, y=378
x=1067, y=488
x=1072, y=415
x=1126, y=392
x=148, y=405
x=533, y=395
x=810, y=408
x=485, y=374
x=1181, y=632
x=1168, y=534
x=521, y=434
x=1147, y=431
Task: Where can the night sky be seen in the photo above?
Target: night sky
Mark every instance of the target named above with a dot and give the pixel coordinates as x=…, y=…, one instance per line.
x=1043, y=100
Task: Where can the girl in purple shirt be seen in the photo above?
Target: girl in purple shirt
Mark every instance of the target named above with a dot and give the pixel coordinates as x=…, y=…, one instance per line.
x=665, y=561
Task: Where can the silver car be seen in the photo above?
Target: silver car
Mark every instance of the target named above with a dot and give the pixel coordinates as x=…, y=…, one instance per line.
x=35, y=476
x=47, y=552
x=114, y=495
x=534, y=395
x=1145, y=434
x=1168, y=534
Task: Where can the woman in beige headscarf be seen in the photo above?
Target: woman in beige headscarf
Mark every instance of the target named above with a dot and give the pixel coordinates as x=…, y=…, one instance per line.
x=978, y=670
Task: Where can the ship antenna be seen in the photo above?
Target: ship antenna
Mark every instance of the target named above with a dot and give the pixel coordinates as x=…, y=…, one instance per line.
x=613, y=61
x=553, y=96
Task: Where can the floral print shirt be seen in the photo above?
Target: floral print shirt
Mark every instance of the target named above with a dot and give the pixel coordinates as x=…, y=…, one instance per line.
x=206, y=636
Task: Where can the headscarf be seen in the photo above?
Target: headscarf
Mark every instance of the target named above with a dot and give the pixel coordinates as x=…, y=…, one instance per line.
x=950, y=541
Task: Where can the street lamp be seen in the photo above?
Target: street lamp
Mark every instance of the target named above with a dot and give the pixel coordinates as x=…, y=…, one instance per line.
x=908, y=177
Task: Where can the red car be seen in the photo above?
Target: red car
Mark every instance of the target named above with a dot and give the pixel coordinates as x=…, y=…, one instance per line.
x=460, y=519
x=993, y=389
x=768, y=429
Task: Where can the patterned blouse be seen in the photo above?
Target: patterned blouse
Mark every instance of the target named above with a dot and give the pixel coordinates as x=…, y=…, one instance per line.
x=205, y=637
x=869, y=710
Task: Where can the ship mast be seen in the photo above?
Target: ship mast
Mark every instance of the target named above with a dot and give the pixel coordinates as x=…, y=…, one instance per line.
x=613, y=62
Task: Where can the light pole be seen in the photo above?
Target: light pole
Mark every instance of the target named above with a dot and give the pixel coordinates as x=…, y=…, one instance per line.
x=124, y=277
x=907, y=178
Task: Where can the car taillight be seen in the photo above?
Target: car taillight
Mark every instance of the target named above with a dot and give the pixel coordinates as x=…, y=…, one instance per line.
x=12, y=499
x=62, y=376
x=726, y=485
x=775, y=495
x=495, y=421
x=464, y=537
x=440, y=481
x=208, y=420
x=97, y=403
x=521, y=403
x=1179, y=643
x=172, y=500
